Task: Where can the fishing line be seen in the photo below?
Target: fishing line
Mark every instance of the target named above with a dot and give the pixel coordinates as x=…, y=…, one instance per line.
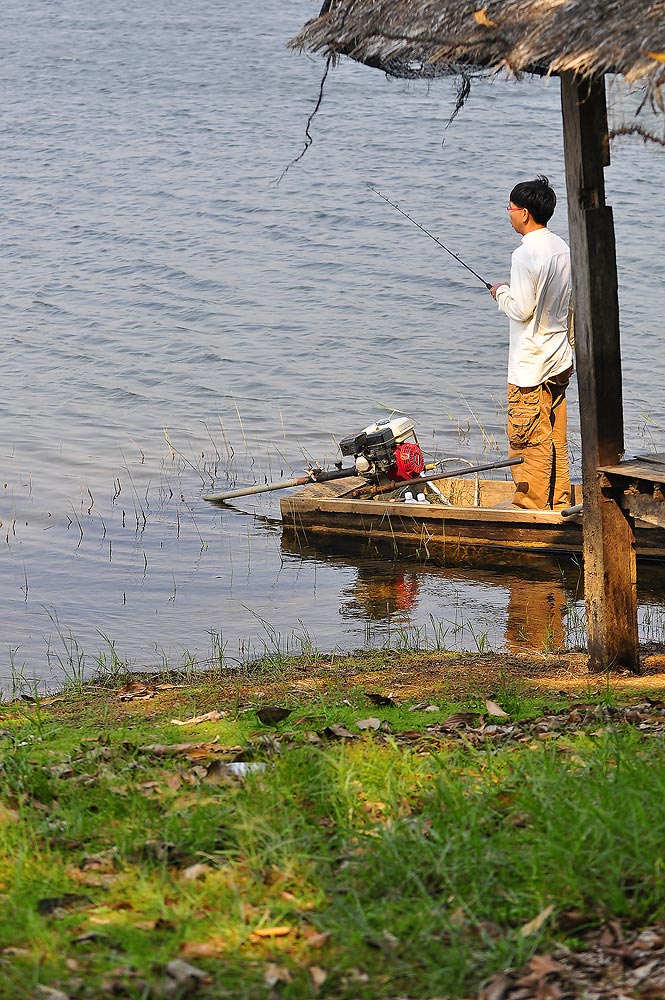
x=432, y=237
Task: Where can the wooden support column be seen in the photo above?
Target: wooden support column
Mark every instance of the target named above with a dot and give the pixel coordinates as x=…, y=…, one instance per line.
x=610, y=574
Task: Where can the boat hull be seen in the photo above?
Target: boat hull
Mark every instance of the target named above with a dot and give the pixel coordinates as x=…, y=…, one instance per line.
x=471, y=531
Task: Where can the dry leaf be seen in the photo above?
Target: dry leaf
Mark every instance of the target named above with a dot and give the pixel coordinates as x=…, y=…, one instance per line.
x=57, y=904
x=90, y=937
x=61, y=770
x=481, y=17
x=186, y=975
x=643, y=972
x=338, y=730
x=196, y=871
x=371, y=723
x=494, y=709
x=213, y=716
x=318, y=975
x=498, y=987
x=459, y=719
x=380, y=699
x=543, y=965
x=217, y=773
x=272, y=715
x=136, y=690
x=92, y=878
x=166, y=749
x=147, y=787
x=142, y=690
x=649, y=940
x=270, y=932
x=203, y=949
x=274, y=974
x=174, y=782
x=569, y=920
x=8, y=815
x=50, y=993
x=317, y=939
x=533, y=926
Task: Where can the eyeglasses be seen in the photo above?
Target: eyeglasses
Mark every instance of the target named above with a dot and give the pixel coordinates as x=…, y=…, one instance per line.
x=509, y=209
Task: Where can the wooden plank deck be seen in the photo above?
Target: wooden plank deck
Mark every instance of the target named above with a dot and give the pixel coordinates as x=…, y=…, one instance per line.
x=639, y=486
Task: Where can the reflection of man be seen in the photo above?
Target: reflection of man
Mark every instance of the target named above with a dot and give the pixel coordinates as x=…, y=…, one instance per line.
x=540, y=359
x=379, y=595
x=535, y=615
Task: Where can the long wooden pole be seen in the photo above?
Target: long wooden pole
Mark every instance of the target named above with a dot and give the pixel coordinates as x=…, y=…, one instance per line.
x=610, y=574
x=316, y=476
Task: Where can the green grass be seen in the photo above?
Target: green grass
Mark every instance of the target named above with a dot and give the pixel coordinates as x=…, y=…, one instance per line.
x=401, y=867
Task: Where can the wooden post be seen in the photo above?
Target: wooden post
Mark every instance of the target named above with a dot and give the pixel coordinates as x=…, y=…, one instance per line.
x=610, y=574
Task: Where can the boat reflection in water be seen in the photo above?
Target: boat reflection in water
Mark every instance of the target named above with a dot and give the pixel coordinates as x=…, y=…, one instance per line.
x=473, y=608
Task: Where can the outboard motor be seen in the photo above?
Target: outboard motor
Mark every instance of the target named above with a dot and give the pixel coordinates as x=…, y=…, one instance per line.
x=385, y=447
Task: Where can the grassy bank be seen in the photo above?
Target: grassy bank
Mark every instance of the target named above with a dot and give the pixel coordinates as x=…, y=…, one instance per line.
x=395, y=835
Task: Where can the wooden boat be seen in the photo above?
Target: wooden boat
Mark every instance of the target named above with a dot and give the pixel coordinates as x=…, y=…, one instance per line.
x=469, y=522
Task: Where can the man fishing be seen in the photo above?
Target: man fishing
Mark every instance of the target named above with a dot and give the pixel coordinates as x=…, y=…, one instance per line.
x=540, y=358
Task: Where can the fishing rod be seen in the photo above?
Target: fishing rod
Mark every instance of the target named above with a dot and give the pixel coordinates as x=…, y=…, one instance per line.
x=435, y=476
x=427, y=233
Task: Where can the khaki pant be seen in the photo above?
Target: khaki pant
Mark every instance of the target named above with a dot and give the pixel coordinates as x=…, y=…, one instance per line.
x=537, y=433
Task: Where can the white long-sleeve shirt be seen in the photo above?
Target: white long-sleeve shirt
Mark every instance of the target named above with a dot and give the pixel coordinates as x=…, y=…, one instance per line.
x=536, y=302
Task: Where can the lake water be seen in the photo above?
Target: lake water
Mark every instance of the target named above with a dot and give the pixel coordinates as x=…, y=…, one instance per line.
x=173, y=320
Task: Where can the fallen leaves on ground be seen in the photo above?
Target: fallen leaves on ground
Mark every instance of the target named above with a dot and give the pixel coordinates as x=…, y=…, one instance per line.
x=611, y=963
x=213, y=716
x=474, y=728
x=272, y=715
x=143, y=690
x=59, y=905
x=470, y=727
x=190, y=749
x=380, y=699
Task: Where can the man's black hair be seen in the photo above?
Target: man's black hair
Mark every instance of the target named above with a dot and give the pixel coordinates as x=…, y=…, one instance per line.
x=536, y=196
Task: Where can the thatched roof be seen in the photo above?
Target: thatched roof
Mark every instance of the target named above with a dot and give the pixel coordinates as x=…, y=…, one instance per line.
x=432, y=37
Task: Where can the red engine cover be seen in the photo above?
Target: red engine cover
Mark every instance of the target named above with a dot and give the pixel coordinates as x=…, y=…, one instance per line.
x=409, y=462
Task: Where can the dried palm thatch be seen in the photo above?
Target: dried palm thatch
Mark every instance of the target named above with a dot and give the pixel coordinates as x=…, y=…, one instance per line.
x=410, y=38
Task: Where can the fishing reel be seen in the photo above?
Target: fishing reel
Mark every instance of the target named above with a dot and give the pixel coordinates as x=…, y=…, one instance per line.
x=384, y=447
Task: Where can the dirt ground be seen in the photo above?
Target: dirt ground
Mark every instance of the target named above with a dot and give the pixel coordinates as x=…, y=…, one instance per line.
x=405, y=677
